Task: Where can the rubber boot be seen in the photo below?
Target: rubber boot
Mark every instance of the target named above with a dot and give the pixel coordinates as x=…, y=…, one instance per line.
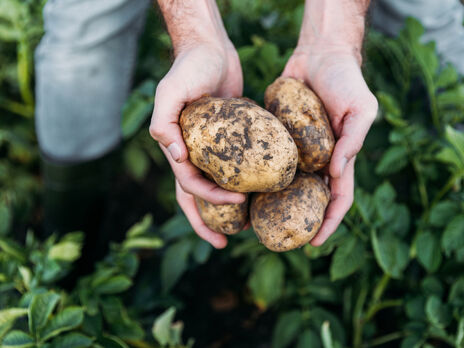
x=75, y=199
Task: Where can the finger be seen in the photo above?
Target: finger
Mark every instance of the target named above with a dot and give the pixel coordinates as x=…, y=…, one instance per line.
x=164, y=127
x=354, y=130
x=189, y=207
x=342, y=199
x=193, y=182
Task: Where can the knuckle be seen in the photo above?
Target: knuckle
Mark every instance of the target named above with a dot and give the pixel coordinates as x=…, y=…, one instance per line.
x=373, y=106
x=157, y=132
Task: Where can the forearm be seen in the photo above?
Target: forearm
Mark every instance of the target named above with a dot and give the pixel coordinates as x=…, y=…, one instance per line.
x=190, y=22
x=334, y=25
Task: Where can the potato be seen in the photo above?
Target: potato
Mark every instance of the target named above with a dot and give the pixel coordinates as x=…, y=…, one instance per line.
x=223, y=218
x=242, y=146
x=303, y=114
x=290, y=218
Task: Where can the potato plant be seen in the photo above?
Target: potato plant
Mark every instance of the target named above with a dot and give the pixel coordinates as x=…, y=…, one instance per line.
x=390, y=276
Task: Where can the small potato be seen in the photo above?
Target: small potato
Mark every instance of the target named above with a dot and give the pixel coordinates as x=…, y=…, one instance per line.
x=223, y=218
x=242, y=146
x=303, y=114
x=290, y=218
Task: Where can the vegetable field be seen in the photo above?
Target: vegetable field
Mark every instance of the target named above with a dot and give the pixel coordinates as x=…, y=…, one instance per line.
x=391, y=276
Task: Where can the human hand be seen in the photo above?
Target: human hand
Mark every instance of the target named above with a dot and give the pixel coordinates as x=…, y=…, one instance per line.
x=201, y=67
x=335, y=76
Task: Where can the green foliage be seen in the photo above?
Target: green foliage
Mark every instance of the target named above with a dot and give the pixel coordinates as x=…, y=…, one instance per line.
x=391, y=275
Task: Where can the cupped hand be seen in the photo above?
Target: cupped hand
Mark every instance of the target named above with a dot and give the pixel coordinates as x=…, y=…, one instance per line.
x=335, y=76
x=197, y=70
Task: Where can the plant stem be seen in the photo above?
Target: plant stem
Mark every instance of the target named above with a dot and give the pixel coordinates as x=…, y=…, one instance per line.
x=421, y=184
x=384, y=339
x=358, y=316
x=381, y=305
x=380, y=288
x=17, y=108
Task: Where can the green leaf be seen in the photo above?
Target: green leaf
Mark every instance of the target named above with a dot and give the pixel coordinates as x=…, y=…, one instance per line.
x=428, y=251
x=65, y=251
x=11, y=314
x=388, y=103
x=40, y=309
x=399, y=221
x=364, y=204
x=309, y=339
x=348, y=258
x=338, y=238
x=453, y=237
x=176, y=226
x=456, y=295
x=392, y=254
x=149, y=242
x=141, y=227
x=453, y=97
x=299, y=264
x=431, y=285
x=320, y=315
x=109, y=341
x=13, y=249
x=438, y=314
x=449, y=156
x=456, y=138
x=384, y=195
x=138, y=108
x=415, y=308
x=326, y=335
x=162, y=327
x=174, y=263
x=65, y=320
x=460, y=334
x=442, y=213
x=448, y=76
x=413, y=341
x=393, y=160
x=287, y=328
x=202, y=251
x=136, y=161
x=114, y=285
x=266, y=280
x=5, y=219
x=17, y=339
x=72, y=340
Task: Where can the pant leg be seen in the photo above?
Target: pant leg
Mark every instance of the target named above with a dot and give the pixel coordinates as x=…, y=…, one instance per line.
x=442, y=20
x=84, y=65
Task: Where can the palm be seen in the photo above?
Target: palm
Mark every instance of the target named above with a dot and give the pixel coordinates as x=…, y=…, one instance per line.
x=351, y=107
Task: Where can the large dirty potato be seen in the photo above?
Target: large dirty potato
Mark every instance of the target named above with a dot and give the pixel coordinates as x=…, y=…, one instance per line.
x=303, y=114
x=290, y=218
x=242, y=146
x=223, y=218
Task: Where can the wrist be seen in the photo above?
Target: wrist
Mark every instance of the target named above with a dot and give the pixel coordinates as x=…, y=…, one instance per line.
x=333, y=26
x=194, y=22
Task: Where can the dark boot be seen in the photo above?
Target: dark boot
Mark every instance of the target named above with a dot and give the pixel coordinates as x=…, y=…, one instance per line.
x=75, y=199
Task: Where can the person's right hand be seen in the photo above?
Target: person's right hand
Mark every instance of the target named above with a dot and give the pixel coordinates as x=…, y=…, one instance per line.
x=197, y=70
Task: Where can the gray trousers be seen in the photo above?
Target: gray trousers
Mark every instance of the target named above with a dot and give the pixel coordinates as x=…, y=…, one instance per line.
x=84, y=67
x=85, y=60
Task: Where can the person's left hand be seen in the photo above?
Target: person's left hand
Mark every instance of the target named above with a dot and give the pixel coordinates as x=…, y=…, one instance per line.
x=335, y=76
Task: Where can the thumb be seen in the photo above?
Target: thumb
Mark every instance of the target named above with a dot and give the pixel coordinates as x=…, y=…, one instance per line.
x=353, y=133
x=164, y=126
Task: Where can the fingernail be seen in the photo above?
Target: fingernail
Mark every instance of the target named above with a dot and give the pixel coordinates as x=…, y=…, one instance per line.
x=343, y=165
x=174, y=150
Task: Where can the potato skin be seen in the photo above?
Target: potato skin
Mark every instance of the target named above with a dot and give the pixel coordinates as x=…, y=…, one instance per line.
x=223, y=218
x=242, y=146
x=290, y=218
x=303, y=114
